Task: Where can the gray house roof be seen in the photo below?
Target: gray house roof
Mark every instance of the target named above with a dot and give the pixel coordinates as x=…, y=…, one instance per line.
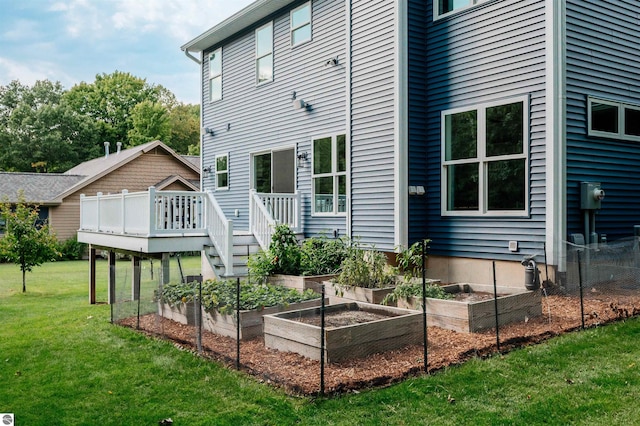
x=240, y=21
x=41, y=188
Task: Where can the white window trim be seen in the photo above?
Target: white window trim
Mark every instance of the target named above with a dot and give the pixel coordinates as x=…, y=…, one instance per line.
x=212, y=76
x=436, y=9
x=483, y=161
x=334, y=173
x=310, y=23
x=218, y=172
x=621, y=120
x=257, y=58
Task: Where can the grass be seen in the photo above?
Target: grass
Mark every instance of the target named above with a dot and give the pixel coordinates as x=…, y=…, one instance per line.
x=63, y=363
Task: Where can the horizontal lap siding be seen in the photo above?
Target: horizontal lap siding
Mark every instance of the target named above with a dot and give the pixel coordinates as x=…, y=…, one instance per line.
x=263, y=117
x=603, y=60
x=493, y=51
x=372, y=122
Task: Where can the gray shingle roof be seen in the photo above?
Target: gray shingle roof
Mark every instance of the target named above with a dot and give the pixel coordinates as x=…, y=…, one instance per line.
x=41, y=188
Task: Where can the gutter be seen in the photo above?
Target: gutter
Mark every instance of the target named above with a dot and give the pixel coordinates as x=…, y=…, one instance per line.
x=193, y=58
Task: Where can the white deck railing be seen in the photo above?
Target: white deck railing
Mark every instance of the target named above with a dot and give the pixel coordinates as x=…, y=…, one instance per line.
x=268, y=210
x=151, y=213
x=220, y=230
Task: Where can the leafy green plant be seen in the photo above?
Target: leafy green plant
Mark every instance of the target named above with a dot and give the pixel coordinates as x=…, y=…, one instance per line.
x=409, y=259
x=71, y=249
x=316, y=256
x=222, y=295
x=406, y=290
x=365, y=268
x=322, y=256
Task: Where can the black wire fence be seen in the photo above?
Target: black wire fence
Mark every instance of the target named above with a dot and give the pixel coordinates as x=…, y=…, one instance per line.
x=331, y=343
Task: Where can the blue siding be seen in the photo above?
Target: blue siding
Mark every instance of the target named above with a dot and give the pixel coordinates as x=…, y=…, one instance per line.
x=261, y=118
x=603, y=60
x=489, y=52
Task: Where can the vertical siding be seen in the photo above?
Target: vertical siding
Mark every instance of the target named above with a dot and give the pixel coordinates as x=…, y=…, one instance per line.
x=260, y=118
x=489, y=52
x=603, y=60
x=418, y=15
x=372, y=121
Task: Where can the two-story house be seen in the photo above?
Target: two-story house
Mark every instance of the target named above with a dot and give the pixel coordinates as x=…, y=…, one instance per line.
x=469, y=122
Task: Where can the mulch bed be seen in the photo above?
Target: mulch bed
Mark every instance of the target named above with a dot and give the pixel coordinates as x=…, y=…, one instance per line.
x=301, y=376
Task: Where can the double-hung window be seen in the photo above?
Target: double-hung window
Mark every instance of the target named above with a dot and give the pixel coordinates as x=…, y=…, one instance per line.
x=222, y=171
x=484, y=160
x=264, y=53
x=330, y=175
x=617, y=120
x=301, y=24
x=215, y=75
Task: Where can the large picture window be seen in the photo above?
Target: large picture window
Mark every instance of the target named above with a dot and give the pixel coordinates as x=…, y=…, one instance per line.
x=264, y=53
x=215, y=75
x=610, y=119
x=484, y=160
x=301, y=24
x=330, y=175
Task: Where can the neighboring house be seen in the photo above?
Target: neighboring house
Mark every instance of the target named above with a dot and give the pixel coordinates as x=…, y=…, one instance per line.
x=134, y=169
x=469, y=122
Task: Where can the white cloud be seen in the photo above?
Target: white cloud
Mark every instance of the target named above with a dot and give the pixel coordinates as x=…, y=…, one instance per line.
x=30, y=72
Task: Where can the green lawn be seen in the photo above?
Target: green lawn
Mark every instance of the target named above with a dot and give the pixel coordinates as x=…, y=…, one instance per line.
x=63, y=363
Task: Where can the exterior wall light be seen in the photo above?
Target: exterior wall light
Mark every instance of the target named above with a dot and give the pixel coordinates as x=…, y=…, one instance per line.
x=302, y=159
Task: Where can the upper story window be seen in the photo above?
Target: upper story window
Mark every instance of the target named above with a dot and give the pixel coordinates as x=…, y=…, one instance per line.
x=610, y=119
x=215, y=75
x=444, y=7
x=222, y=171
x=484, y=160
x=264, y=53
x=330, y=175
x=301, y=24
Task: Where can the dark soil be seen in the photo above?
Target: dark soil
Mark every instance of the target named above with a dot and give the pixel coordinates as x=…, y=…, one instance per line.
x=301, y=376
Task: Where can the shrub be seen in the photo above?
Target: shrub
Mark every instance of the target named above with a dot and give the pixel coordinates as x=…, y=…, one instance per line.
x=71, y=249
x=322, y=256
x=365, y=268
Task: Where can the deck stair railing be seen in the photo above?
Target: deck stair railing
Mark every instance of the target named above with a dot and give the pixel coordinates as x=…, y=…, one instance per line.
x=220, y=230
x=268, y=210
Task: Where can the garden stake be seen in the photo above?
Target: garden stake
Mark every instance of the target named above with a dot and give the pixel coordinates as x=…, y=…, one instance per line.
x=424, y=301
x=238, y=324
x=580, y=283
x=495, y=304
x=322, y=343
x=199, y=317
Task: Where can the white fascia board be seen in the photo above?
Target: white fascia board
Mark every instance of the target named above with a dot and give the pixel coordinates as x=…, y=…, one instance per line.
x=556, y=176
x=236, y=23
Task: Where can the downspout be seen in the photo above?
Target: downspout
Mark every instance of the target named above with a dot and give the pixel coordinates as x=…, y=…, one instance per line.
x=401, y=131
x=556, y=123
x=348, y=111
x=193, y=58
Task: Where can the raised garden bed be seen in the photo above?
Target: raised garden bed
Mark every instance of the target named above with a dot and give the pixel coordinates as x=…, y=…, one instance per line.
x=473, y=308
x=360, y=329
x=184, y=313
x=358, y=294
x=300, y=282
x=251, y=323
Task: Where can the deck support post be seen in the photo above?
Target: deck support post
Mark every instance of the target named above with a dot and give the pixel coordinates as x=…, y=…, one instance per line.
x=135, y=278
x=112, y=277
x=165, y=268
x=92, y=275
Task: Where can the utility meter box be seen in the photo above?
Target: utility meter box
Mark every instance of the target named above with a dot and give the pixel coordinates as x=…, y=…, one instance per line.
x=591, y=195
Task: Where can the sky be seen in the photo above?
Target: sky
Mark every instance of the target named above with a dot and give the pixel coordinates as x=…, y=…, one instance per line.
x=72, y=41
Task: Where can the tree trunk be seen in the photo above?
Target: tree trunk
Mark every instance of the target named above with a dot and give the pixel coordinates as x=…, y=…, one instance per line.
x=24, y=284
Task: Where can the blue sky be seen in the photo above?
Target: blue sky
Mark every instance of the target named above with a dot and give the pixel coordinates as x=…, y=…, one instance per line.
x=71, y=41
